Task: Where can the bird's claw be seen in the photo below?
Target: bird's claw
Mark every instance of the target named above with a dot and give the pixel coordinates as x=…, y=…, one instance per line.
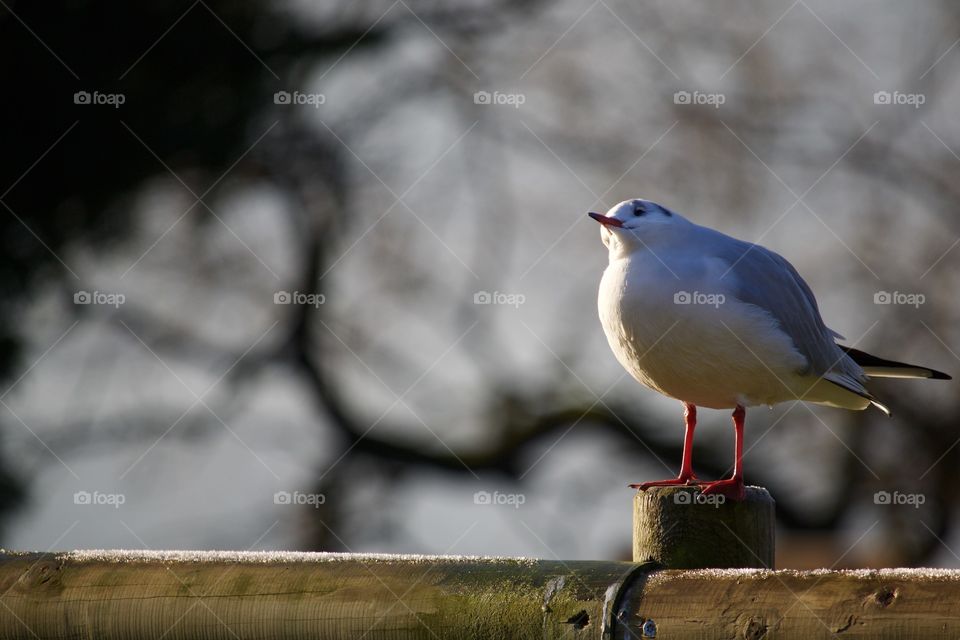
x=731, y=488
x=682, y=481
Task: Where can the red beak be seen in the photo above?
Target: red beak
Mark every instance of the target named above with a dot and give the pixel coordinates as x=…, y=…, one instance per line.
x=606, y=220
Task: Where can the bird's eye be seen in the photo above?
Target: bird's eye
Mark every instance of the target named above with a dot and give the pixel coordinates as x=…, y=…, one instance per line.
x=639, y=210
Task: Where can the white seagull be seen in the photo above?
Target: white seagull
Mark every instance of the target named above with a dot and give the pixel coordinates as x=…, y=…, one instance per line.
x=721, y=323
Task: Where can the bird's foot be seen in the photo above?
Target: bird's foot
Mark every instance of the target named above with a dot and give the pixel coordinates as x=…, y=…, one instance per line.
x=682, y=480
x=731, y=488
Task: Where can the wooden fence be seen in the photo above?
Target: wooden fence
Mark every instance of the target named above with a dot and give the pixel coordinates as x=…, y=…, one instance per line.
x=124, y=595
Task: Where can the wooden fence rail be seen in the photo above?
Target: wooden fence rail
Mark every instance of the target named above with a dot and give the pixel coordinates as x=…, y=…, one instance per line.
x=260, y=595
x=667, y=593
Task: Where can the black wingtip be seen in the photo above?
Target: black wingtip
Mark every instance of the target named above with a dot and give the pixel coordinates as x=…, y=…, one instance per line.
x=865, y=359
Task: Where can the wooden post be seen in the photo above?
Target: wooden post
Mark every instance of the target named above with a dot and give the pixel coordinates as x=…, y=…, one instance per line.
x=680, y=528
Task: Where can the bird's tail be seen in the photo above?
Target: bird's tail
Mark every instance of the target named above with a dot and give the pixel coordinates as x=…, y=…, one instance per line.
x=853, y=395
x=879, y=368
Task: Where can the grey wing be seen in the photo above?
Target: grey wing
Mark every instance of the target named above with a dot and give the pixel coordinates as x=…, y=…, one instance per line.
x=763, y=278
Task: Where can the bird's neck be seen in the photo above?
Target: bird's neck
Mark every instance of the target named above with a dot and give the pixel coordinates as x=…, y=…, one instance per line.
x=621, y=249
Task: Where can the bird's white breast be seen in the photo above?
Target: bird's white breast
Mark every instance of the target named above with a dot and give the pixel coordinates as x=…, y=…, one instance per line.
x=678, y=329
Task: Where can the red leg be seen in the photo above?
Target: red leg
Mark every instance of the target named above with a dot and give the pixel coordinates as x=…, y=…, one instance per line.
x=732, y=487
x=686, y=466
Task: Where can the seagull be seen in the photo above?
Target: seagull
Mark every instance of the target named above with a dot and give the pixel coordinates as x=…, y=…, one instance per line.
x=717, y=322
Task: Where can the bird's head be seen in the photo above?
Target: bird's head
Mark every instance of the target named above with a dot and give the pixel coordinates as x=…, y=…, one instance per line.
x=632, y=224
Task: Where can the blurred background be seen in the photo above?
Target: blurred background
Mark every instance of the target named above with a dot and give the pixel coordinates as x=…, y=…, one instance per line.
x=319, y=276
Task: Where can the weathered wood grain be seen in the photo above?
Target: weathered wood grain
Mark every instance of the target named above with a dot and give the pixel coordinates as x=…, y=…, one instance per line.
x=207, y=596
x=680, y=528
